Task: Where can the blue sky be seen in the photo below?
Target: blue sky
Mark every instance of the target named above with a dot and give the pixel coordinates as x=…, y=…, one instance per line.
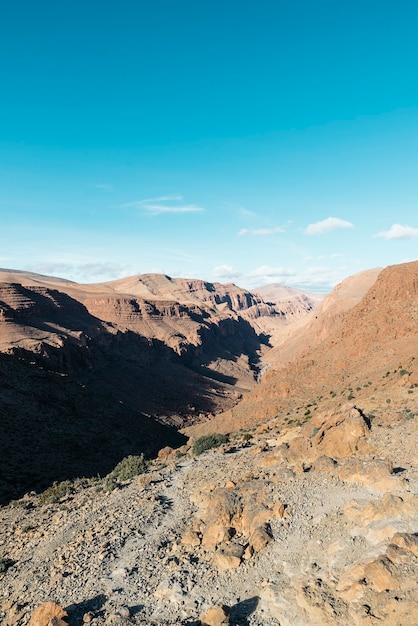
x=238, y=141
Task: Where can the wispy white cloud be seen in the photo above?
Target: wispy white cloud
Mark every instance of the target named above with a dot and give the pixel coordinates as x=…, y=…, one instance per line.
x=260, y=231
x=274, y=273
x=163, y=204
x=173, y=198
x=157, y=209
x=226, y=273
x=322, y=257
x=83, y=272
x=320, y=278
x=398, y=231
x=104, y=187
x=326, y=226
x=247, y=213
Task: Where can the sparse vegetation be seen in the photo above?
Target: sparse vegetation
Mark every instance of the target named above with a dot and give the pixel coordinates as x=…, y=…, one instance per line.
x=56, y=491
x=127, y=469
x=206, y=442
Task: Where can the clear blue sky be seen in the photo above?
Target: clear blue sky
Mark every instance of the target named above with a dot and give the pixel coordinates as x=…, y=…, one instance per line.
x=245, y=141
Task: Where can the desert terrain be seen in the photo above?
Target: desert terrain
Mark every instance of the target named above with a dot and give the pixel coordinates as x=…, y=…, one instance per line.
x=271, y=440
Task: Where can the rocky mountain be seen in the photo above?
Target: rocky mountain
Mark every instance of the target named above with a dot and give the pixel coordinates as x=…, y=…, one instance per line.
x=188, y=316
x=354, y=347
x=308, y=331
x=305, y=513
x=137, y=351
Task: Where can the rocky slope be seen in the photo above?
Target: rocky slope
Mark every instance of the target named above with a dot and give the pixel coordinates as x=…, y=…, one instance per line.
x=139, y=356
x=309, y=331
x=307, y=526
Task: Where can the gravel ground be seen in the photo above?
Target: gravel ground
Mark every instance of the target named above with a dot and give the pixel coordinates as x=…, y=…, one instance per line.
x=118, y=557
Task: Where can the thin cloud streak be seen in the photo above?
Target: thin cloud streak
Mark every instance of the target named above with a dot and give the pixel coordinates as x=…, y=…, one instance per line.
x=326, y=226
x=398, y=231
x=157, y=206
x=260, y=231
x=247, y=213
x=157, y=209
x=104, y=187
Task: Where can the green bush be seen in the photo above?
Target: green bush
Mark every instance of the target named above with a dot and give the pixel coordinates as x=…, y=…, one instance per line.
x=206, y=442
x=128, y=468
x=56, y=492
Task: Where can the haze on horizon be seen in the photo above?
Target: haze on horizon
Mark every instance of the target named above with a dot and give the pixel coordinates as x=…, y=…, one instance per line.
x=236, y=142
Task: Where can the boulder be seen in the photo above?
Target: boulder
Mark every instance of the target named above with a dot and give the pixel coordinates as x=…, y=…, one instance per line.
x=49, y=614
x=406, y=541
x=375, y=473
x=228, y=558
x=260, y=538
x=215, y=616
x=376, y=574
x=190, y=538
x=215, y=535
